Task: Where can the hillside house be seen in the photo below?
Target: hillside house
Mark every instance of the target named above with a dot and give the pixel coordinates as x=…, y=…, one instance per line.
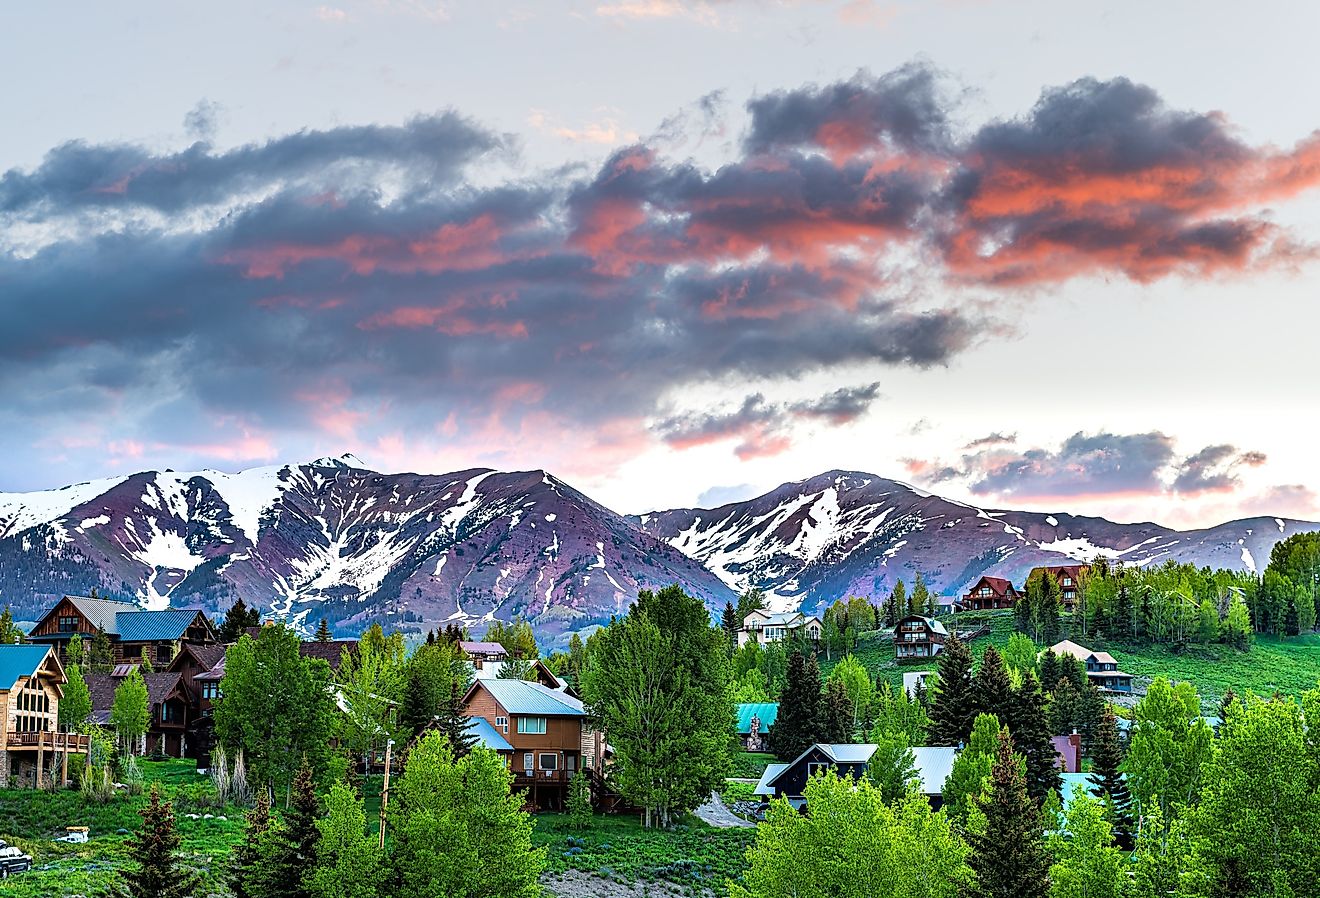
x=132, y=631
x=790, y=780
x=754, y=722
x=990, y=593
x=546, y=731
x=766, y=626
x=1069, y=578
x=1101, y=667
x=192, y=663
x=168, y=707
x=919, y=637
x=32, y=750
x=481, y=653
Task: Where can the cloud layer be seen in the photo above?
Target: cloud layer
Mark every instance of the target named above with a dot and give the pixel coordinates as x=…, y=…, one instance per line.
x=374, y=283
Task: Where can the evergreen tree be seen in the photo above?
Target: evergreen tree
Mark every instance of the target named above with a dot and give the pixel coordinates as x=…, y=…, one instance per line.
x=431, y=677
x=799, y=723
x=288, y=852
x=751, y=600
x=837, y=725
x=731, y=623
x=246, y=862
x=100, y=655
x=237, y=620
x=348, y=862
x=157, y=872
x=920, y=600
x=1049, y=668
x=323, y=631
x=579, y=801
x=897, y=606
x=1108, y=780
x=1031, y=735
x=953, y=708
x=992, y=690
x=10, y=634
x=1008, y=853
x=453, y=723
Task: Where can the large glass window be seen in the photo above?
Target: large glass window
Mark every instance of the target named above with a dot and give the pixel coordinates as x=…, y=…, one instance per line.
x=549, y=762
x=533, y=726
x=68, y=623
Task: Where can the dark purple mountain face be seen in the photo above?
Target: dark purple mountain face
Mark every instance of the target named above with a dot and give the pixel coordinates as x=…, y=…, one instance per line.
x=846, y=533
x=333, y=539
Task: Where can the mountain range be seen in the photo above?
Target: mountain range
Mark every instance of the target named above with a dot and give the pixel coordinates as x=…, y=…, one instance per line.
x=333, y=539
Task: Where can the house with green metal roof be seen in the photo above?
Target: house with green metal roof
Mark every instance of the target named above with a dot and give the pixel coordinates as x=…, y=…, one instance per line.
x=130, y=629
x=754, y=722
x=33, y=752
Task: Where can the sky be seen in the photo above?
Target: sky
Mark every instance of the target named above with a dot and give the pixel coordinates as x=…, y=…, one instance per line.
x=1040, y=255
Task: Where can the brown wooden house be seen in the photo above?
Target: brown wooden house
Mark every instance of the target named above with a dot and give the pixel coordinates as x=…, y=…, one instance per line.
x=1069, y=578
x=168, y=703
x=919, y=637
x=546, y=731
x=132, y=631
x=193, y=663
x=990, y=593
x=32, y=750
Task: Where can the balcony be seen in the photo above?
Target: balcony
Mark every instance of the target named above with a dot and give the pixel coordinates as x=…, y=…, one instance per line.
x=541, y=777
x=74, y=743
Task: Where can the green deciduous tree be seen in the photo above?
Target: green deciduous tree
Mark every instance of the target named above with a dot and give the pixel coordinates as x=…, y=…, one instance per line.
x=129, y=712
x=458, y=831
x=971, y=768
x=1165, y=861
x=893, y=768
x=1086, y=863
x=517, y=637
x=1008, y=852
x=1021, y=654
x=370, y=684
x=76, y=705
x=852, y=845
x=898, y=714
x=1168, y=745
x=432, y=675
x=277, y=707
x=579, y=801
x=348, y=863
x=858, y=686
x=156, y=871
x=10, y=633
x=657, y=680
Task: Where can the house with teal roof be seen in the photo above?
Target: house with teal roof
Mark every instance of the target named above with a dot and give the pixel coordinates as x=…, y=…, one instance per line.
x=33, y=751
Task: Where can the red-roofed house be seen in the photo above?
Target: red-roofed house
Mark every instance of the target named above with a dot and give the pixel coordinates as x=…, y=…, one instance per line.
x=989, y=593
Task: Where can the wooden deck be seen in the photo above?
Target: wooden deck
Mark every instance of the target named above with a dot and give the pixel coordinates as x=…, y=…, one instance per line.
x=74, y=743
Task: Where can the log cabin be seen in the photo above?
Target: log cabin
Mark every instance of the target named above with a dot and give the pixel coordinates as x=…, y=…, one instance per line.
x=131, y=630
x=990, y=593
x=169, y=706
x=1069, y=578
x=33, y=752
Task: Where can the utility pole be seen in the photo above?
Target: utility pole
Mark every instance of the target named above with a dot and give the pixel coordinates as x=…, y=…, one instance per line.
x=385, y=792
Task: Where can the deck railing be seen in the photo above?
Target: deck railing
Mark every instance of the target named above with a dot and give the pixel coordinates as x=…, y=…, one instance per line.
x=49, y=741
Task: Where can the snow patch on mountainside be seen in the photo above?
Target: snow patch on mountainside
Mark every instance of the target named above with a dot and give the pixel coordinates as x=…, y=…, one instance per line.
x=22, y=511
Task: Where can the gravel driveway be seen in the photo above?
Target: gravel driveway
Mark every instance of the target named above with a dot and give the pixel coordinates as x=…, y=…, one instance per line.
x=716, y=813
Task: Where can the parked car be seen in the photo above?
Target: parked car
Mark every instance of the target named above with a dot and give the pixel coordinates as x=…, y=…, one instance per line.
x=12, y=860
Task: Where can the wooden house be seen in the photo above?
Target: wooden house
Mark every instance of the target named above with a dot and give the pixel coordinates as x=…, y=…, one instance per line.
x=331, y=652
x=194, y=663
x=767, y=626
x=990, y=593
x=482, y=653
x=1069, y=578
x=32, y=750
x=918, y=637
x=546, y=730
x=790, y=780
x=131, y=631
x=169, y=706
x=1101, y=667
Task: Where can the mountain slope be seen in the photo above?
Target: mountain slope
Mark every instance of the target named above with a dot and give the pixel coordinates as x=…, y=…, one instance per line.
x=848, y=533
x=333, y=539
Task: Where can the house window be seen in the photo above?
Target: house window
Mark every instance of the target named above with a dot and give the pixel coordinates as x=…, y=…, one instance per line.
x=68, y=623
x=527, y=763
x=549, y=761
x=502, y=724
x=164, y=654
x=169, y=713
x=532, y=726
x=1067, y=581
x=815, y=766
x=210, y=689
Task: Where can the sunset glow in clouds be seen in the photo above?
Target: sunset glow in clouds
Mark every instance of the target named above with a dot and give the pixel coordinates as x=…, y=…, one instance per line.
x=755, y=293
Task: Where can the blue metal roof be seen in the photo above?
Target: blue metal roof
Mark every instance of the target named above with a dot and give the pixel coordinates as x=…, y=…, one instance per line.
x=767, y=711
x=19, y=661
x=149, y=626
x=524, y=697
x=487, y=735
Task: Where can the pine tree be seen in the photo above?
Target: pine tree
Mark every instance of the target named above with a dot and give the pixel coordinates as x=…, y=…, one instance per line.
x=954, y=706
x=158, y=873
x=1008, y=854
x=323, y=631
x=799, y=722
x=10, y=634
x=246, y=863
x=237, y=619
x=992, y=690
x=289, y=850
x=837, y=725
x=919, y=600
x=1049, y=668
x=1107, y=777
x=1031, y=735
x=731, y=624
x=100, y=656
x=450, y=720
x=896, y=607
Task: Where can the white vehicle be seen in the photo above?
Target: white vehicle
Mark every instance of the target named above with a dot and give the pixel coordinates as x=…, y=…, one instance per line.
x=13, y=860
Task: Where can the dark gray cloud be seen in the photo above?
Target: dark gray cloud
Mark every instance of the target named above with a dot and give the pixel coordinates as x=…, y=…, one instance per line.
x=992, y=439
x=1214, y=469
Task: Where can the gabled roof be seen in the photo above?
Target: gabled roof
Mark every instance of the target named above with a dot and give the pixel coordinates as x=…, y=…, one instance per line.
x=838, y=752
x=483, y=648
x=934, y=625
x=331, y=652
x=1068, y=647
x=523, y=697
x=767, y=711
x=766, y=785
x=216, y=672
x=103, y=686
x=933, y=763
x=487, y=735
x=998, y=584
x=155, y=626
x=205, y=656
x=19, y=661
x=101, y=612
